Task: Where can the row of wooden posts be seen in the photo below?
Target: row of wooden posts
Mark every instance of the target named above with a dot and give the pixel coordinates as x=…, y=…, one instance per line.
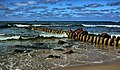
x=96, y=39
x=54, y=31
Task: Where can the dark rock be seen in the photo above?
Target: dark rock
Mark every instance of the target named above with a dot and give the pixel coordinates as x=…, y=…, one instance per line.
x=84, y=32
x=54, y=56
x=69, y=52
x=79, y=30
x=118, y=51
x=21, y=51
x=36, y=46
x=59, y=49
x=61, y=42
x=105, y=35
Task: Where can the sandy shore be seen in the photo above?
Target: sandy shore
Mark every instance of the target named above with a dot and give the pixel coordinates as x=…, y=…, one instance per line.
x=108, y=66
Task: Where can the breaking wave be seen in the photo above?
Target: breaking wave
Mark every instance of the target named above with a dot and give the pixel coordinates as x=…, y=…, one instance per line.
x=117, y=26
x=45, y=35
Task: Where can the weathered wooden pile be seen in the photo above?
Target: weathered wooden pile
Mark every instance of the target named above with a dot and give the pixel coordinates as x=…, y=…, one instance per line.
x=102, y=39
x=81, y=35
x=54, y=31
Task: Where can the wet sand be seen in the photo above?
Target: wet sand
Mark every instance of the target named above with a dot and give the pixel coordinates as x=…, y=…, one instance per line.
x=107, y=66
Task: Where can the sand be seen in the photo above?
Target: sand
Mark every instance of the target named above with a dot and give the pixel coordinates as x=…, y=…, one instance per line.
x=107, y=66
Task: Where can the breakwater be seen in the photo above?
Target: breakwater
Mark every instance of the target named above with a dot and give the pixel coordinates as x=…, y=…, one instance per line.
x=81, y=35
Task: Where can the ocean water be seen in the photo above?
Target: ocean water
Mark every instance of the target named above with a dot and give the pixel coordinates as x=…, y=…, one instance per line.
x=11, y=32
x=112, y=28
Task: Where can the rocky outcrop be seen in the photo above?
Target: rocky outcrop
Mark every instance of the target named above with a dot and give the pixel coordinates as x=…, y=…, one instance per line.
x=61, y=42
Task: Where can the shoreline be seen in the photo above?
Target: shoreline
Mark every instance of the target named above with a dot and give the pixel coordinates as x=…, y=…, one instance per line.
x=115, y=65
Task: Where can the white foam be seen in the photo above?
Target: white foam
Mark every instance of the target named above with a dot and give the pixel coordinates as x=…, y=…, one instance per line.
x=118, y=56
x=2, y=34
x=118, y=26
x=98, y=61
x=21, y=25
x=11, y=37
x=47, y=25
x=54, y=35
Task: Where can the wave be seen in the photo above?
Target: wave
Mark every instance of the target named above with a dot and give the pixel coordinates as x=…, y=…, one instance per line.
x=45, y=35
x=8, y=37
x=2, y=34
x=54, y=35
x=117, y=26
x=21, y=25
x=111, y=34
x=39, y=25
x=49, y=25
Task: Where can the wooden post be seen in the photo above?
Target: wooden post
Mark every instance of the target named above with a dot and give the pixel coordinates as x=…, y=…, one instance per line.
x=81, y=37
x=98, y=40
x=88, y=37
x=101, y=40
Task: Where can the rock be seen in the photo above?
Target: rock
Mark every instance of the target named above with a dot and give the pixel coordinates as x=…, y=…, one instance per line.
x=69, y=31
x=69, y=52
x=84, y=32
x=61, y=42
x=59, y=49
x=21, y=51
x=54, y=56
x=105, y=35
x=79, y=30
x=118, y=51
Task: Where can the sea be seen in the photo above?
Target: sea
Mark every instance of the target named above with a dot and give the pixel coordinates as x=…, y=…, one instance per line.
x=87, y=53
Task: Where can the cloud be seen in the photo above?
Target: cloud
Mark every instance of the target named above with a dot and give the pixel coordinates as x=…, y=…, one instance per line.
x=36, y=7
x=105, y=10
x=75, y=8
x=113, y=4
x=49, y=1
x=48, y=14
x=94, y=5
x=24, y=3
x=69, y=5
x=66, y=15
x=54, y=9
x=118, y=8
x=2, y=7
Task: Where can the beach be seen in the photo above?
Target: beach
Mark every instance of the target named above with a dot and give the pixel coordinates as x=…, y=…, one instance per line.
x=107, y=66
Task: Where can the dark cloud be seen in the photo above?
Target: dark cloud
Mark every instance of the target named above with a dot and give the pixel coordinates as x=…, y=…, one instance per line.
x=118, y=8
x=69, y=5
x=88, y=11
x=36, y=7
x=49, y=1
x=58, y=9
x=113, y=4
x=2, y=7
x=75, y=8
x=24, y=3
x=105, y=10
x=94, y=5
x=48, y=14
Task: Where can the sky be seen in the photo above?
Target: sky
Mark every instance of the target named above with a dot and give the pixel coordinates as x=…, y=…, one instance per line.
x=60, y=10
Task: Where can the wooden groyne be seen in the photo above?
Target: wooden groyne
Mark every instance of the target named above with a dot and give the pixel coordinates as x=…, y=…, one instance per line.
x=81, y=35
x=54, y=31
